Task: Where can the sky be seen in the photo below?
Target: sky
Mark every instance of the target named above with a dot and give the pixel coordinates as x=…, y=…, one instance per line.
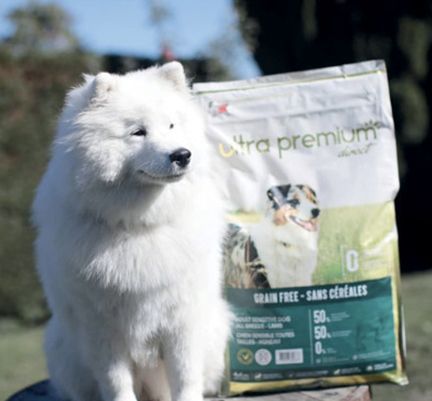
x=123, y=27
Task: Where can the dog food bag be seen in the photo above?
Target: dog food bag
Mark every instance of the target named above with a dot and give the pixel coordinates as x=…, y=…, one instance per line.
x=311, y=255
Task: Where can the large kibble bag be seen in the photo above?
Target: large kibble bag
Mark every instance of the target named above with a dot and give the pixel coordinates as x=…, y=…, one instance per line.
x=311, y=257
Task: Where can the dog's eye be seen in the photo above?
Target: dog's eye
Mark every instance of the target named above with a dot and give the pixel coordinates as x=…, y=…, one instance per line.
x=294, y=202
x=171, y=126
x=140, y=132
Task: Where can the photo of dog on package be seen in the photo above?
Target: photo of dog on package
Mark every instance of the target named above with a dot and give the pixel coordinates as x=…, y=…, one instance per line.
x=280, y=250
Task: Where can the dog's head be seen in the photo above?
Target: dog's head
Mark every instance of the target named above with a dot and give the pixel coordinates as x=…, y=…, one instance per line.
x=294, y=204
x=130, y=147
x=140, y=128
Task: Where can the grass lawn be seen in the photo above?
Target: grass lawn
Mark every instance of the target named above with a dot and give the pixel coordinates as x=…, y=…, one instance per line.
x=21, y=358
x=22, y=361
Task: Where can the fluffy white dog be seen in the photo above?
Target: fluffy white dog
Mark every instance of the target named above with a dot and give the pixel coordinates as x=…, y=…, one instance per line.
x=129, y=227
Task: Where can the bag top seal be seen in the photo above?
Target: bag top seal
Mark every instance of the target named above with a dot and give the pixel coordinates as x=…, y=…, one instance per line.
x=343, y=71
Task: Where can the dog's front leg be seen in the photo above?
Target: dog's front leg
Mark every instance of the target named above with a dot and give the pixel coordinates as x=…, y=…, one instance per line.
x=183, y=355
x=115, y=381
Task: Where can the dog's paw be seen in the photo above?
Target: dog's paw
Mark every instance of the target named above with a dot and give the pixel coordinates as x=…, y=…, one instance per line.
x=189, y=396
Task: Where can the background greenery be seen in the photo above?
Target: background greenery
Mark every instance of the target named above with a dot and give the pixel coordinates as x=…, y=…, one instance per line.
x=32, y=89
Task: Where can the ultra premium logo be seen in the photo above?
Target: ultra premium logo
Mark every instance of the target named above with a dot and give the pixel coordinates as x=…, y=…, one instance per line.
x=357, y=141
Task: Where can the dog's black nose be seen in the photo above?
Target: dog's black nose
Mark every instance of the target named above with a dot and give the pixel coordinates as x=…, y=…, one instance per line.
x=315, y=212
x=181, y=157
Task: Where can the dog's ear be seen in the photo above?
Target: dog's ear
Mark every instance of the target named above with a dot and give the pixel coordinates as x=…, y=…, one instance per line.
x=277, y=195
x=174, y=72
x=103, y=84
x=283, y=190
x=310, y=193
x=88, y=78
x=270, y=194
x=93, y=91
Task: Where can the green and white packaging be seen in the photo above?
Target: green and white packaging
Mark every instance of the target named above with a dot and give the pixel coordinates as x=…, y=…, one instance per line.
x=311, y=259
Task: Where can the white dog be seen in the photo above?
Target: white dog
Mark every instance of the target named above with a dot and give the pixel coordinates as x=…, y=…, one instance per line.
x=128, y=249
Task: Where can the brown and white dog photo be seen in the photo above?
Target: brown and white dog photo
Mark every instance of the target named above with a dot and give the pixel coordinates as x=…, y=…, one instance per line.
x=281, y=249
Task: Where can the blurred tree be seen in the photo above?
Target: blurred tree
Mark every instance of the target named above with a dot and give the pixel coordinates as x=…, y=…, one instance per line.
x=38, y=63
x=41, y=28
x=210, y=66
x=201, y=69
x=32, y=90
x=160, y=15
x=302, y=34
x=226, y=50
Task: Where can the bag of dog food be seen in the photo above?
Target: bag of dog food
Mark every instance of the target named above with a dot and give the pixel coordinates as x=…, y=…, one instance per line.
x=311, y=257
